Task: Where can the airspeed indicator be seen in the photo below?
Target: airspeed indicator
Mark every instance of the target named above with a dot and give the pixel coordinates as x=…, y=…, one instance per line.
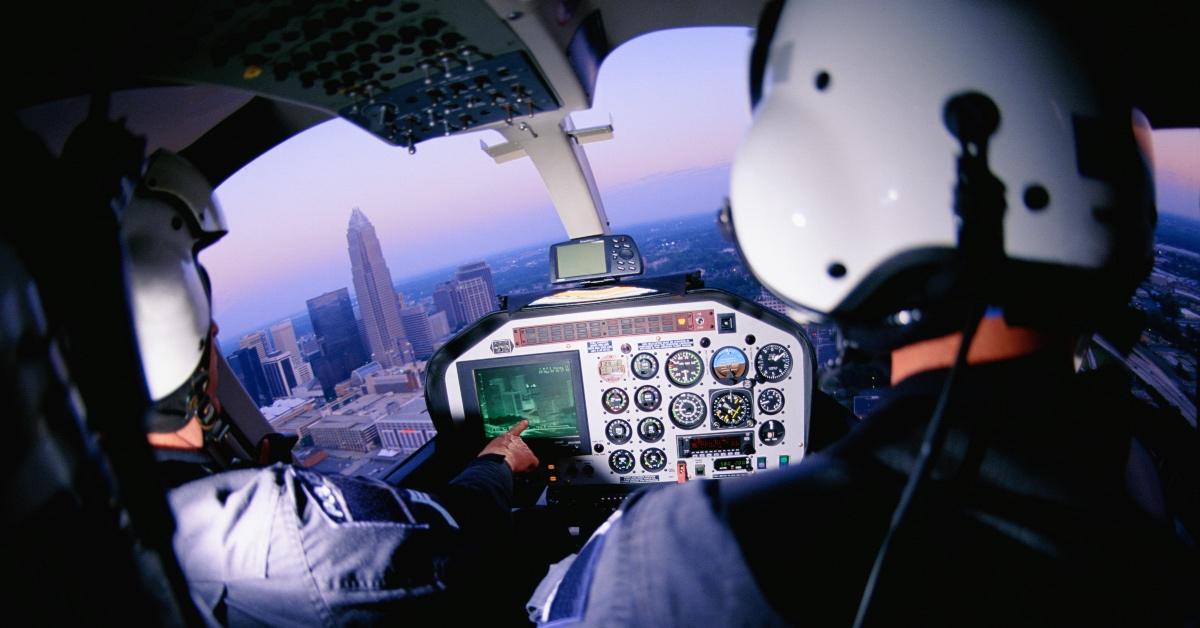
x=685, y=368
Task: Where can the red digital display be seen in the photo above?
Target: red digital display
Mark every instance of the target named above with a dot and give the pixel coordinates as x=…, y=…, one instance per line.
x=702, y=444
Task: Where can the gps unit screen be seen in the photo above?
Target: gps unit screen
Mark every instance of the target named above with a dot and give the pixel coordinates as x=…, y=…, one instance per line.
x=587, y=258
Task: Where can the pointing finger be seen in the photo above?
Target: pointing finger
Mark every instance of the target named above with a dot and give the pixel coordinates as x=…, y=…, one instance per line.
x=518, y=427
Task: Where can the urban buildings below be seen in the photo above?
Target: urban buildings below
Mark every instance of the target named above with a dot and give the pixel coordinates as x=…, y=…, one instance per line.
x=283, y=336
x=408, y=429
x=475, y=299
x=285, y=409
x=248, y=368
x=420, y=333
x=349, y=433
x=281, y=378
x=336, y=329
x=257, y=340
x=439, y=326
x=445, y=300
x=483, y=271
x=476, y=291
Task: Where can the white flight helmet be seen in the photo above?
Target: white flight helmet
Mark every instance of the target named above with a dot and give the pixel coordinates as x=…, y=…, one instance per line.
x=173, y=214
x=846, y=182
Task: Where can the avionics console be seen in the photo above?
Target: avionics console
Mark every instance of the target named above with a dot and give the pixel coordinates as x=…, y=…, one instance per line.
x=650, y=389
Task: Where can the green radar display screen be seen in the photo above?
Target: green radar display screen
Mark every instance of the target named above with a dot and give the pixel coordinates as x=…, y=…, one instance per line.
x=544, y=389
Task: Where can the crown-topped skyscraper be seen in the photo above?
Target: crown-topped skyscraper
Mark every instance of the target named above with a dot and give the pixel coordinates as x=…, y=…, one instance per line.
x=378, y=303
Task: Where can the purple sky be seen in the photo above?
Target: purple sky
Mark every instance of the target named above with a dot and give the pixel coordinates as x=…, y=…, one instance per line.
x=678, y=105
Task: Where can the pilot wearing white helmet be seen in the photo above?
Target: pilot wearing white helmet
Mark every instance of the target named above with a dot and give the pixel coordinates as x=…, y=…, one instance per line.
x=952, y=183
x=285, y=545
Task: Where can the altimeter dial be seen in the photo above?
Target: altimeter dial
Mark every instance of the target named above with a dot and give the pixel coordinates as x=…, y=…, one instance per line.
x=773, y=362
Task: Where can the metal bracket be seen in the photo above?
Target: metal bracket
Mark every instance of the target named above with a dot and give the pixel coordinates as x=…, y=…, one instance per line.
x=503, y=152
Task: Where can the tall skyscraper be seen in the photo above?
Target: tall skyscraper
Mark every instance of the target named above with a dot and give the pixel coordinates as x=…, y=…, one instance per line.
x=476, y=300
x=257, y=340
x=249, y=371
x=377, y=299
x=336, y=329
x=445, y=298
x=283, y=336
x=420, y=334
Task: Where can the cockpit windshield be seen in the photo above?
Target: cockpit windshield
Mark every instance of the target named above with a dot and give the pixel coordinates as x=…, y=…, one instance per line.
x=452, y=229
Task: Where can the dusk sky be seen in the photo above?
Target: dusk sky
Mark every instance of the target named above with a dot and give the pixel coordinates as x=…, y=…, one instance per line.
x=678, y=104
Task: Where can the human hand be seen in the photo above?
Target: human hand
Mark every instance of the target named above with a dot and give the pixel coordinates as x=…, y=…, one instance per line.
x=516, y=453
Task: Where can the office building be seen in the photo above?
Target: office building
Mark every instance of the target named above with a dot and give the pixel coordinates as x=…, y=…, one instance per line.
x=483, y=272
x=304, y=371
x=420, y=333
x=281, y=378
x=246, y=366
x=309, y=344
x=475, y=299
x=283, y=336
x=377, y=300
x=407, y=429
x=348, y=433
x=394, y=380
x=439, y=325
x=336, y=329
x=445, y=299
x=285, y=409
x=257, y=340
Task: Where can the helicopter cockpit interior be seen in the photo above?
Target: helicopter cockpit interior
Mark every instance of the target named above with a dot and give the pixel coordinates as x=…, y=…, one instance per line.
x=628, y=380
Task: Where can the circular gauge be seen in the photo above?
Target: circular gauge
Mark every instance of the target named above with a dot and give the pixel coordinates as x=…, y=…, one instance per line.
x=650, y=429
x=773, y=362
x=647, y=398
x=615, y=400
x=687, y=411
x=645, y=365
x=771, y=432
x=770, y=401
x=730, y=365
x=731, y=408
x=621, y=461
x=685, y=368
x=618, y=432
x=654, y=460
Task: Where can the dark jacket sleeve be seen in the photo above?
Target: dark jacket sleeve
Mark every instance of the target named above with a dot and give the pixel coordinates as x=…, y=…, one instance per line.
x=480, y=497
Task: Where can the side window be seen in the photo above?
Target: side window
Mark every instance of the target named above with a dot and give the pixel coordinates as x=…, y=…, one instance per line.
x=1163, y=361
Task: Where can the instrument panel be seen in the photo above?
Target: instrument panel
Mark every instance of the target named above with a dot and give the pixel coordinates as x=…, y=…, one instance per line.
x=668, y=388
